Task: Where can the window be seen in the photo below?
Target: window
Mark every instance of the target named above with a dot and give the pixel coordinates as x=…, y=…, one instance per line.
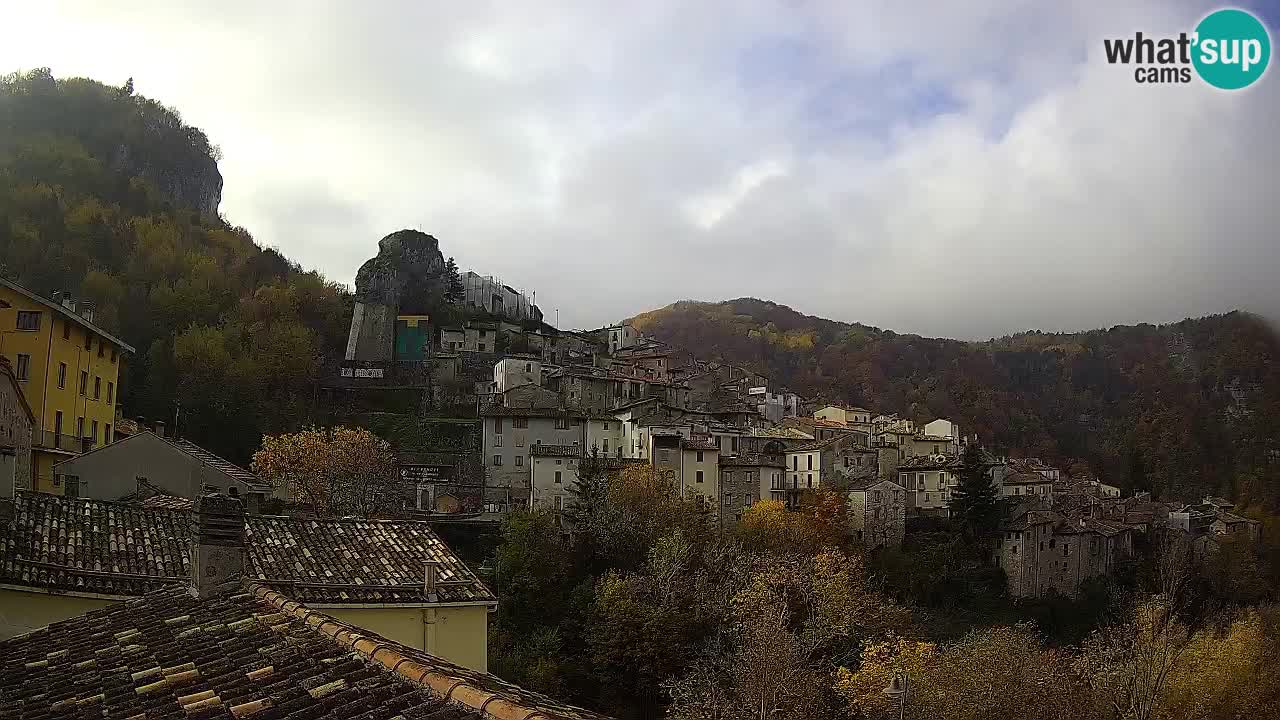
x=519, y=422
x=57, y=424
x=519, y=461
x=1041, y=546
x=482, y=348
x=795, y=462
x=97, y=387
x=66, y=329
x=606, y=445
x=497, y=441
x=562, y=423
x=557, y=477
x=84, y=381
x=113, y=356
x=810, y=479
x=528, y=367
x=1066, y=550
x=519, y=439
x=62, y=375
x=100, y=350
x=1052, y=542
x=497, y=425
x=71, y=485
x=111, y=392
x=698, y=477
x=88, y=341
x=809, y=460
x=106, y=434
x=699, y=456
x=497, y=461
x=24, y=366
x=94, y=433
x=928, y=497
x=606, y=426
x=80, y=427
x=28, y=320
x=733, y=444
x=876, y=496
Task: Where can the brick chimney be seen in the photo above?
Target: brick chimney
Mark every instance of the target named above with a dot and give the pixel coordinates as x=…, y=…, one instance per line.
x=217, y=552
x=431, y=579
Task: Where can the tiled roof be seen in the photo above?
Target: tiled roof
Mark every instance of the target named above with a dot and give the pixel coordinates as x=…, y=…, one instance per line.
x=1233, y=519
x=752, y=460
x=93, y=546
x=1031, y=519
x=501, y=411
x=119, y=549
x=167, y=502
x=208, y=458
x=1024, y=478
x=355, y=560
x=252, y=654
x=868, y=483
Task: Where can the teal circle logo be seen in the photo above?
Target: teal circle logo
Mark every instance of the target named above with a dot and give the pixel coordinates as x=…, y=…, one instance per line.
x=1232, y=49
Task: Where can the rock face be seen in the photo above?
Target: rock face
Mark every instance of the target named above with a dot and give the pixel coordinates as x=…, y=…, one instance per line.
x=193, y=181
x=408, y=273
x=406, y=277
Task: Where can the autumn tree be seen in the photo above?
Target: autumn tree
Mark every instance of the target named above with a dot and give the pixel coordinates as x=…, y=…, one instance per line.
x=1127, y=664
x=335, y=471
x=1002, y=673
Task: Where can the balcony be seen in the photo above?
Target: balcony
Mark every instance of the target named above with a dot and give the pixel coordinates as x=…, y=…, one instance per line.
x=49, y=440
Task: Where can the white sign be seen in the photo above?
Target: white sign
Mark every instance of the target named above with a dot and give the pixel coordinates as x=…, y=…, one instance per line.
x=757, y=391
x=362, y=372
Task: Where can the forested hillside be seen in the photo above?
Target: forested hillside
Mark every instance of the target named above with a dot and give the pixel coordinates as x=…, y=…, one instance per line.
x=1180, y=409
x=110, y=196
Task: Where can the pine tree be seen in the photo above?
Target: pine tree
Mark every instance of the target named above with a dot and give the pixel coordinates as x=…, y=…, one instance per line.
x=974, y=501
x=454, y=292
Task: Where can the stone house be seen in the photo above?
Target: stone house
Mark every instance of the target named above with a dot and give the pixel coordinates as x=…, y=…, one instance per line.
x=747, y=479
x=878, y=512
x=929, y=481
x=1041, y=551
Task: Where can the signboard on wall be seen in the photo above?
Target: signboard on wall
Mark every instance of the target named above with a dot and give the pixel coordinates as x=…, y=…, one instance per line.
x=426, y=473
x=361, y=372
x=757, y=390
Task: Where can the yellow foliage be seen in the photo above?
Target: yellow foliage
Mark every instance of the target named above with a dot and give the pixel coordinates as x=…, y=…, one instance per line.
x=1223, y=675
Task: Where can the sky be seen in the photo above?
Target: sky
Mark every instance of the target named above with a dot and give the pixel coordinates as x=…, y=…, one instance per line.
x=949, y=169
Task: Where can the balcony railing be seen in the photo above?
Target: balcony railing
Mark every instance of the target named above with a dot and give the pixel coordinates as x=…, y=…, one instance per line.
x=49, y=439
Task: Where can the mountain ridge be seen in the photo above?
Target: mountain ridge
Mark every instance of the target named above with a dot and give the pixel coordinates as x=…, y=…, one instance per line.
x=1180, y=409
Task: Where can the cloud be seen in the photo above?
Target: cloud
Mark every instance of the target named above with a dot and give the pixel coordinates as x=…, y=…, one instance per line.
x=967, y=169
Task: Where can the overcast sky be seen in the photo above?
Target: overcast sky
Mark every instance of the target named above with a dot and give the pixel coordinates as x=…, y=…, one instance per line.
x=962, y=169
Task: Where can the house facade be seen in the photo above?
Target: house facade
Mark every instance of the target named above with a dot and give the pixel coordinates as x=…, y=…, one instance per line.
x=878, y=512
x=929, y=481
x=69, y=371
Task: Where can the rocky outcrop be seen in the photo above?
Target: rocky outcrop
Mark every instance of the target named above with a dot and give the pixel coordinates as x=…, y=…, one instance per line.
x=408, y=273
x=407, y=276
x=193, y=182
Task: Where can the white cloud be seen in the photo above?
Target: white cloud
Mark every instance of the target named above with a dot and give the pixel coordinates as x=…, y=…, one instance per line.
x=966, y=169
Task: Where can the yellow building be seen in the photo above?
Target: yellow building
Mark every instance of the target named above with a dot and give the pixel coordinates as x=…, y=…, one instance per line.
x=69, y=369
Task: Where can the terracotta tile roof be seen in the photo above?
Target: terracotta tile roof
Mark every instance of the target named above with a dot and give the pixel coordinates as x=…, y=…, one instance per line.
x=1024, y=478
x=251, y=654
x=168, y=502
x=930, y=462
x=120, y=549
x=355, y=560
x=93, y=546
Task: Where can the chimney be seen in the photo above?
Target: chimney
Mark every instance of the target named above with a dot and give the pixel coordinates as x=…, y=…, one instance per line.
x=217, y=553
x=160, y=428
x=432, y=572
x=86, y=310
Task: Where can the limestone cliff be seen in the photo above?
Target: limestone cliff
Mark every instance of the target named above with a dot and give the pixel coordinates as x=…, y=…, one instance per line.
x=408, y=273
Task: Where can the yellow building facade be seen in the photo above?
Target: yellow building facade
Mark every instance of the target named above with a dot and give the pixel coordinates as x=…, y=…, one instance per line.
x=69, y=370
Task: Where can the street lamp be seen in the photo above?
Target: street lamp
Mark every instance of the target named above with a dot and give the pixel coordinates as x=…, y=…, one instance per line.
x=898, y=688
